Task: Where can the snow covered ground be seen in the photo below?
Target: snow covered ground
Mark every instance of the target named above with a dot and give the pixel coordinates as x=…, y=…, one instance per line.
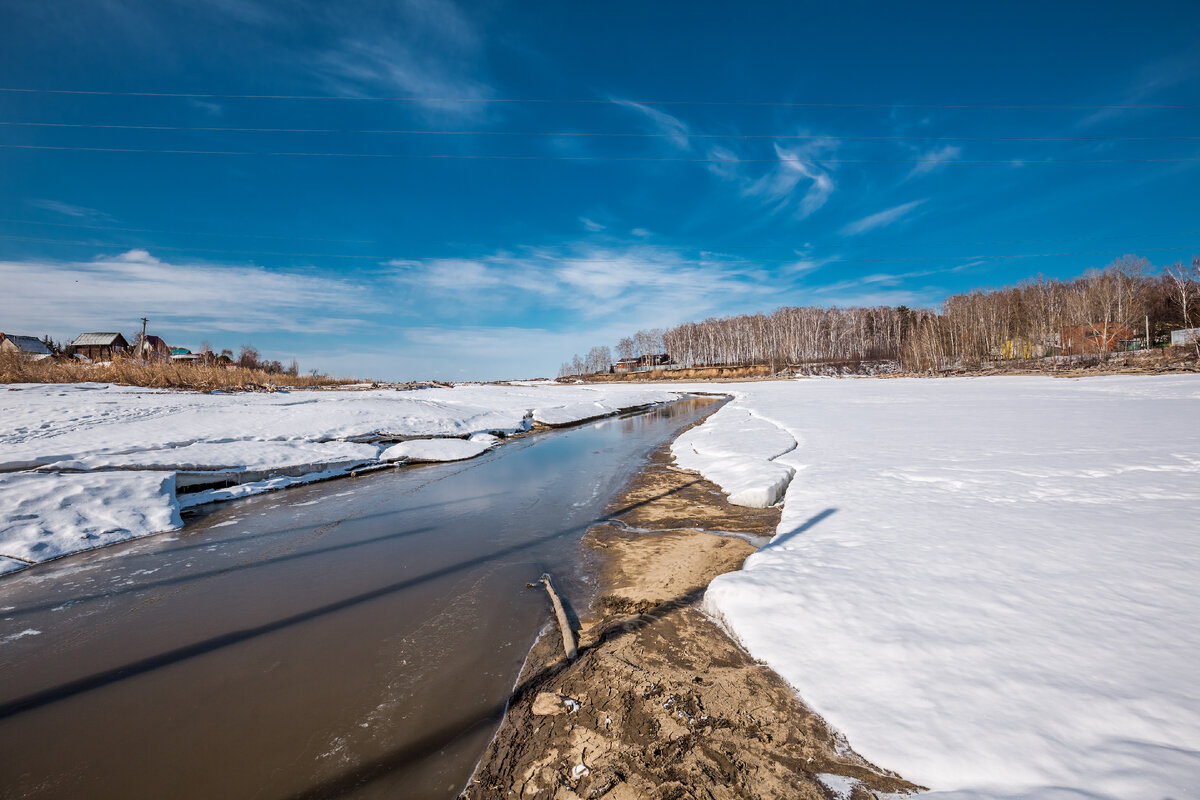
x=83, y=465
x=989, y=585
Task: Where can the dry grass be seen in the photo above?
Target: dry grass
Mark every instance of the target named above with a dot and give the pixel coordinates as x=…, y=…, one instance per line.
x=691, y=374
x=158, y=375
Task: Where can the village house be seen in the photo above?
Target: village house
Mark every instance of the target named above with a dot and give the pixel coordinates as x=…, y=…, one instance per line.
x=182, y=354
x=152, y=348
x=647, y=361
x=1185, y=336
x=101, y=346
x=30, y=346
x=1096, y=337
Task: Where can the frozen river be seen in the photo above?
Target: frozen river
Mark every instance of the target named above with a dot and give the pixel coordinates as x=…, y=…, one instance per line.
x=355, y=638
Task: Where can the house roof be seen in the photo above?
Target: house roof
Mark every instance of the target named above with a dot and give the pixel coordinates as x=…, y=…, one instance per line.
x=101, y=338
x=27, y=344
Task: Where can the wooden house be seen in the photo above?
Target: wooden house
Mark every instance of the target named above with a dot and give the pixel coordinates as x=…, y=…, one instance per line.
x=152, y=348
x=29, y=346
x=1095, y=337
x=102, y=346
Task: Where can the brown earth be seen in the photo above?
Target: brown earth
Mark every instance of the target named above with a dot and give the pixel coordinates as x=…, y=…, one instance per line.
x=660, y=703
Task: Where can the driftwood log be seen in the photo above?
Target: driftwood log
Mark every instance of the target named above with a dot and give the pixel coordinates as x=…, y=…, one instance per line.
x=564, y=624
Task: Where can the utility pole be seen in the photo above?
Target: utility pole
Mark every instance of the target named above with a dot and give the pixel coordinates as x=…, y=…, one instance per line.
x=142, y=341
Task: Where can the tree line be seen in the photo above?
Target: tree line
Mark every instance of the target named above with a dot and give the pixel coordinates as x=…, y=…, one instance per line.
x=1129, y=298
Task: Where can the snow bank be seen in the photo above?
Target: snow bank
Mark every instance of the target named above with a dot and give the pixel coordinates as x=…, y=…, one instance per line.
x=989, y=585
x=737, y=452
x=435, y=450
x=108, y=459
x=235, y=456
x=46, y=516
x=557, y=416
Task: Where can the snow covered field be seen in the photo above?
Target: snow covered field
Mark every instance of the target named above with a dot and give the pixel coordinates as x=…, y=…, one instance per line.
x=989, y=585
x=83, y=465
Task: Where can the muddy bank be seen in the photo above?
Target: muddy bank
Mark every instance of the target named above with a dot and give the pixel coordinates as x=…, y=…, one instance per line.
x=660, y=702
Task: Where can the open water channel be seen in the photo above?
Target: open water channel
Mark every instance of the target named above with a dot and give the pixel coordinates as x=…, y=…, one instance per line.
x=356, y=638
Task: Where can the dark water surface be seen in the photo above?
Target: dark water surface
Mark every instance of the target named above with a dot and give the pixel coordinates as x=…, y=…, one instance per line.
x=352, y=638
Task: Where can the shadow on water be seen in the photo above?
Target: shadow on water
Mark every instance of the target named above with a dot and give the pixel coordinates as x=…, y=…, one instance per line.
x=435, y=741
x=142, y=666
x=318, y=529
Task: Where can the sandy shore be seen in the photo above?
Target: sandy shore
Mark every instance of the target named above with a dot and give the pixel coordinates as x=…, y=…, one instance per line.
x=660, y=702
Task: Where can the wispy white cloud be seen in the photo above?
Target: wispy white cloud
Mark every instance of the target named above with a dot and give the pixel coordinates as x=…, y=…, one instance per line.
x=1151, y=81
x=723, y=162
x=210, y=108
x=934, y=158
x=184, y=298
x=798, y=180
x=881, y=219
x=592, y=225
x=434, y=51
x=587, y=282
x=886, y=283
x=660, y=122
x=69, y=210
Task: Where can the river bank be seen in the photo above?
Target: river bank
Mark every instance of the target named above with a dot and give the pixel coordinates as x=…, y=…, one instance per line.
x=360, y=637
x=661, y=703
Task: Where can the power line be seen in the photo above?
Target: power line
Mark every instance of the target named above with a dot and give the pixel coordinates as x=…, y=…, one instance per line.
x=600, y=134
x=183, y=233
x=679, y=159
x=637, y=245
x=596, y=101
x=568, y=259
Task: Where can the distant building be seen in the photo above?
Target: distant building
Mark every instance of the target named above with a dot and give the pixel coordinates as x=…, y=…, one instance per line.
x=184, y=355
x=25, y=345
x=654, y=360
x=1096, y=337
x=625, y=365
x=153, y=348
x=647, y=361
x=1185, y=337
x=101, y=346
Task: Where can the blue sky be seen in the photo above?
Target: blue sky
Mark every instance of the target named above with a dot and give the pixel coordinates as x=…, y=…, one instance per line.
x=712, y=159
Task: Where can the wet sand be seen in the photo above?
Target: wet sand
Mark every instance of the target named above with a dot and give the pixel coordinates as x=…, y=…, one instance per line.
x=661, y=703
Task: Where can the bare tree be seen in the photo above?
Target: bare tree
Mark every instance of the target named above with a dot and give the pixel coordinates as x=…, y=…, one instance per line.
x=248, y=358
x=1025, y=321
x=599, y=359
x=1185, y=286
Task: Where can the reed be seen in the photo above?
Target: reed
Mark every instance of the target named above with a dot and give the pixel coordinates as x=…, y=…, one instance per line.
x=15, y=368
